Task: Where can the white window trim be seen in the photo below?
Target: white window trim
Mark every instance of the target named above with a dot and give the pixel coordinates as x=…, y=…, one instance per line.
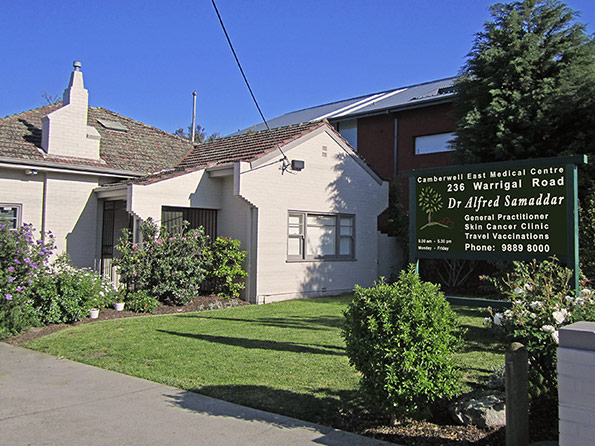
x=19, y=208
x=303, y=237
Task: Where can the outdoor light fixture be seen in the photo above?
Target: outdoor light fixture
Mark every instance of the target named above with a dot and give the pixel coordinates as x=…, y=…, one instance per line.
x=30, y=172
x=297, y=165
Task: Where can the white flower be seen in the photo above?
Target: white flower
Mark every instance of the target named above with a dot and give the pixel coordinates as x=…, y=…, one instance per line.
x=101, y=293
x=528, y=287
x=556, y=337
x=579, y=301
x=548, y=328
x=560, y=316
x=536, y=304
x=487, y=320
x=519, y=290
x=569, y=299
x=498, y=319
x=586, y=292
x=508, y=313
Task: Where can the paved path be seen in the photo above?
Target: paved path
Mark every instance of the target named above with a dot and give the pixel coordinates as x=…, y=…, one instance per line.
x=50, y=401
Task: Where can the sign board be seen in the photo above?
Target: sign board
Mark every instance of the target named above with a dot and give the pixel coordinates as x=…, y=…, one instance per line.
x=518, y=210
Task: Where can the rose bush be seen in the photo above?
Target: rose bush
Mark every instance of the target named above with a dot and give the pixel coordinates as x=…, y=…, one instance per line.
x=542, y=302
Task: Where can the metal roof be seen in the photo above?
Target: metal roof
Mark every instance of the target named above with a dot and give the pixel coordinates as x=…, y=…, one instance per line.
x=375, y=103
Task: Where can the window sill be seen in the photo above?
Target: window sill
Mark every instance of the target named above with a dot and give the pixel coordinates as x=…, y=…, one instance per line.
x=318, y=260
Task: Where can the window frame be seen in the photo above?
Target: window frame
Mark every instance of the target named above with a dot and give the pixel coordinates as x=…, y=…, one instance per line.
x=445, y=148
x=302, y=236
x=19, y=213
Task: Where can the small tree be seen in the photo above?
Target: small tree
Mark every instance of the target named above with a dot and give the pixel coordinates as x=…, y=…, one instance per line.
x=200, y=134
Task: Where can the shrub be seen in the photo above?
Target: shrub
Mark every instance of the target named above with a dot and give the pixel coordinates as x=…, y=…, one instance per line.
x=68, y=293
x=401, y=338
x=141, y=302
x=23, y=261
x=587, y=236
x=224, y=270
x=542, y=302
x=168, y=266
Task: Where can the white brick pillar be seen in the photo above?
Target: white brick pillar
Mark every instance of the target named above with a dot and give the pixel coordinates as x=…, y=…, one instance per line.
x=576, y=384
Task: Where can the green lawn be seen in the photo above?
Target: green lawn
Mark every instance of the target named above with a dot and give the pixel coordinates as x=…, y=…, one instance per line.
x=286, y=358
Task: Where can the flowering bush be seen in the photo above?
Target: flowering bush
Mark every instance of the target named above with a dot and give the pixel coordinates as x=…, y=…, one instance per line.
x=35, y=292
x=542, y=302
x=68, y=293
x=224, y=259
x=23, y=261
x=167, y=266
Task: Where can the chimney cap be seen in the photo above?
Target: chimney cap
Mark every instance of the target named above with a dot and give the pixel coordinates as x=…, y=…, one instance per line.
x=77, y=64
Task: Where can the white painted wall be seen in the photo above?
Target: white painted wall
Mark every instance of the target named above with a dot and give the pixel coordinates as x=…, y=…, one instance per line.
x=332, y=181
x=71, y=214
x=576, y=384
x=391, y=256
x=18, y=188
x=70, y=208
x=194, y=189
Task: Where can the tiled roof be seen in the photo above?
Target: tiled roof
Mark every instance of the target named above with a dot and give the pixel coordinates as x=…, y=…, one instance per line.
x=245, y=147
x=418, y=95
x=141, y=148
x=228, y=150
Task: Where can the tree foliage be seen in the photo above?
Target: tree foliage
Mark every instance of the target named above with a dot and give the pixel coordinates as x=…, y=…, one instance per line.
x=200, y=134
x=527, y=89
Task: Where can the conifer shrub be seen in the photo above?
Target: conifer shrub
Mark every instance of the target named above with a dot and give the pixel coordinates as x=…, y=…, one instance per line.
x=402, y=337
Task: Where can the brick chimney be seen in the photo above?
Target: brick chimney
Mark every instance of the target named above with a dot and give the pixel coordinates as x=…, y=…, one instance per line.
x=65, y=131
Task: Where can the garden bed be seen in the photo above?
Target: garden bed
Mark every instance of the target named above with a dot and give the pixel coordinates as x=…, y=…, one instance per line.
x=196, y=304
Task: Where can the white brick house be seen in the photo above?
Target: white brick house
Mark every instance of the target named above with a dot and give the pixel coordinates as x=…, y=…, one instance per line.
x=299, y=199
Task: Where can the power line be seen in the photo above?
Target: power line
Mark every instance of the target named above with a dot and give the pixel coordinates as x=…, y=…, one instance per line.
x=240, y=66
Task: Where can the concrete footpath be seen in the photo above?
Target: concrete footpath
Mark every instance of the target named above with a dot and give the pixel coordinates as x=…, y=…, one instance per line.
x=50, y=401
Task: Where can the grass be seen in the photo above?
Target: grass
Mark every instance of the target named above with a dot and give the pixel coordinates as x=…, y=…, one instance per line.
x=286, y=358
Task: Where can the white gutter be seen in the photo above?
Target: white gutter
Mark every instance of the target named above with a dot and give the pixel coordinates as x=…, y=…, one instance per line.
x=8, y=163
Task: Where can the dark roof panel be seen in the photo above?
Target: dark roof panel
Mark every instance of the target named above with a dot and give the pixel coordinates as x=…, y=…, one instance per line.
x=399, y=98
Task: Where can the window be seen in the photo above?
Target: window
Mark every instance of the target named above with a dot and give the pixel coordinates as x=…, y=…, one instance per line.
x=320, y=236
x=348, y=130
x=173, y=217
x=433, y=143
x=10, y=215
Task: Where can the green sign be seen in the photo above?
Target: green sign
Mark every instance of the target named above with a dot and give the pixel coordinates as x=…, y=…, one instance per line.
x=514, y=210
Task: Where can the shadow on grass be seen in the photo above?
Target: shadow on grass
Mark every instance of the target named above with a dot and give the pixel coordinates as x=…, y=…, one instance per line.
x=321, y=407
x=480, y=339
x=314, y=349
x=305, y=323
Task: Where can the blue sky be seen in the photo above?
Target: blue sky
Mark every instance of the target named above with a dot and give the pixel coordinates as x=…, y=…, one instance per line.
x=143, y=58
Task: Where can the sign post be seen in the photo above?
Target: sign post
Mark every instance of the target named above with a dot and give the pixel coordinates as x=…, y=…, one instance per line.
x=514, y=210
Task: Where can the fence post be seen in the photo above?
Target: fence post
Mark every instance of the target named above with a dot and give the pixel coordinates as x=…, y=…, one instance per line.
x=517, y=398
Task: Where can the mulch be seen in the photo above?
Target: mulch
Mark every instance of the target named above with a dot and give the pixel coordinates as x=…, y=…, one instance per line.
x=438, y=432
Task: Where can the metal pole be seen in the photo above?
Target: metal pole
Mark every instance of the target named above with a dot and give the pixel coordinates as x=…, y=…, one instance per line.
x=193, y=132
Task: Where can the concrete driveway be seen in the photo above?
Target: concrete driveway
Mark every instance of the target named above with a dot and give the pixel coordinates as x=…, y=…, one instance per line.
x=50, y=401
